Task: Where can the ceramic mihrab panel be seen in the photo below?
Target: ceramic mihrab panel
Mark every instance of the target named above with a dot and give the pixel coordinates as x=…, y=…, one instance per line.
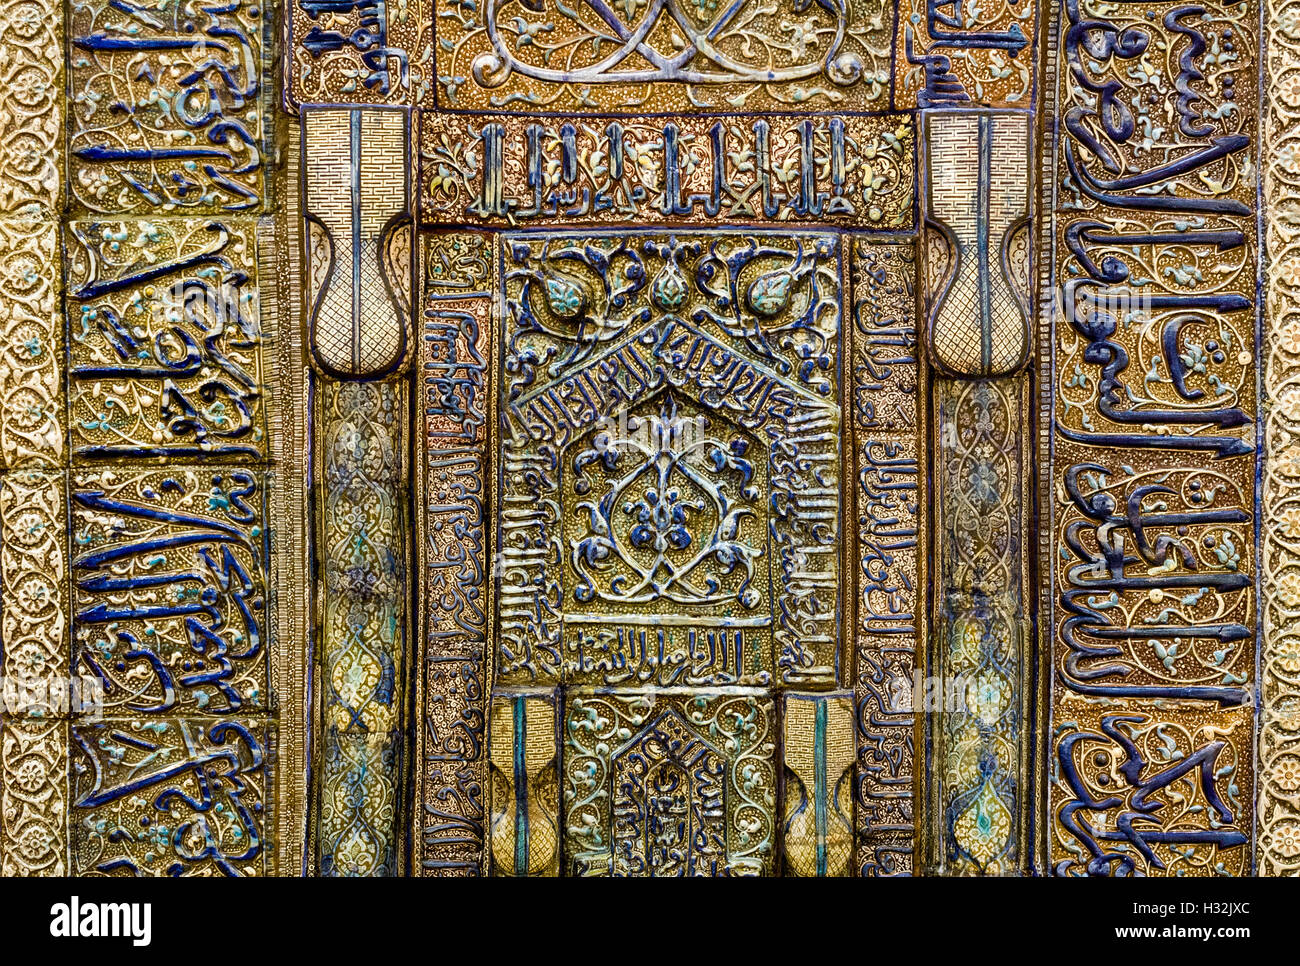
x=650, y=437
x=670, y=500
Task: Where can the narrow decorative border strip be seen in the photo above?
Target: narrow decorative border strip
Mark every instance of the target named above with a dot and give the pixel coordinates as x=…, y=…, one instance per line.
x=1278, y=844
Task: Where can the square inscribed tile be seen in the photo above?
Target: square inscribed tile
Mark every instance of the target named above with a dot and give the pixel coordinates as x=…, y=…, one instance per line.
x=170, y=570
x=165, y=339
x=168, y=106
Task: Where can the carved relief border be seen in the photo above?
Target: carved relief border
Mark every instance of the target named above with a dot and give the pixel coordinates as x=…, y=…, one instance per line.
x=1150, y=441
x=173, y=322
x=34, y=618
x=454, y=409
x=1278, y=787
x=885, y=439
